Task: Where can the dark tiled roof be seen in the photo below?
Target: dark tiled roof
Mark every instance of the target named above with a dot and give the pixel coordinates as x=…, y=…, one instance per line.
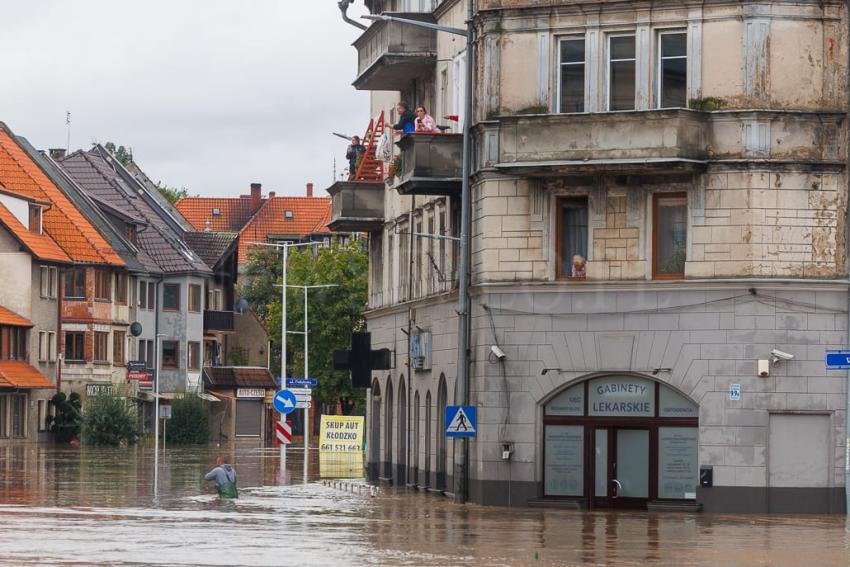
x=210, y=246
x=238, y=377
x=136, y=260
x=142, y=178
x=165, y=247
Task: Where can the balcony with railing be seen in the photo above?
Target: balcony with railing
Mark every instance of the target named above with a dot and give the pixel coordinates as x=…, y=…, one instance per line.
x=431, y=164
x=392, y=54
x=356, y=206
x=221, y=321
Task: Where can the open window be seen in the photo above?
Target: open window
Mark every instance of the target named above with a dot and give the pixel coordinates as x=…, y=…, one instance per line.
x=621, y=72
x=572, y=67
x=669, y=235
x=672, y=69
x=571, y=247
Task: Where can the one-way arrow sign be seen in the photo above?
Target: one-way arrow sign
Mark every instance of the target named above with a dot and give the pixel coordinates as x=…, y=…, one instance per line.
x=284, y=401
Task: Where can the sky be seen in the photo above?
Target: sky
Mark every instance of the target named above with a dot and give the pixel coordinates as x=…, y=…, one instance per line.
x=211, y=95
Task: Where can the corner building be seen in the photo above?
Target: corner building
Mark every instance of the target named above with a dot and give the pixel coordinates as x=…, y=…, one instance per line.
x=693, y=156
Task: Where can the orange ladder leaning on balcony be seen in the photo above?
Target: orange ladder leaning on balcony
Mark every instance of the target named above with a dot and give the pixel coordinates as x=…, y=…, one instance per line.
x=371, y=168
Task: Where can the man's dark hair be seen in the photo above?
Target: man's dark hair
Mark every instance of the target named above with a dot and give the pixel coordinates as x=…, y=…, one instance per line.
x=355, y=138
x=404, y=105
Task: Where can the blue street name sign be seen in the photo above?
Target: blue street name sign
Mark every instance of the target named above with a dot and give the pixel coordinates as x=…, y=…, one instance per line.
x=285, y=401
x=838, y=359
x=461, y=421
x=309, y=382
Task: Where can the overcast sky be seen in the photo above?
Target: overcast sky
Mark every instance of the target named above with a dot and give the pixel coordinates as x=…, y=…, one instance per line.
x=210, y=94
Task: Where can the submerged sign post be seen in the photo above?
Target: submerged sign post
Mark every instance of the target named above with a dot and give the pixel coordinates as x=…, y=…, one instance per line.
x=461, y=421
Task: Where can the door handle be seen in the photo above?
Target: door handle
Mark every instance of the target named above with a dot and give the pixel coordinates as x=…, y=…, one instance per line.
x=617, y=488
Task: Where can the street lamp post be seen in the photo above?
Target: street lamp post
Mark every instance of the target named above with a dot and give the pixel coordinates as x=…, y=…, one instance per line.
x=283, y=333
x=157, y=358
x=462, y=386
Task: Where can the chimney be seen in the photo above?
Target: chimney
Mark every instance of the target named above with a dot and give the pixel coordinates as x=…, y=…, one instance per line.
x=57, y=153
x=271, y=194
x=309, y=189
x=256, y=196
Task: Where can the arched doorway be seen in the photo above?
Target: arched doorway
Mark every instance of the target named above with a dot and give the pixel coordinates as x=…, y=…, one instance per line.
x=375, y=432
x=414, y=462
x=388, y=428
x=401, y=467
x=441, y=437
x=428, y=427
x=620, y=441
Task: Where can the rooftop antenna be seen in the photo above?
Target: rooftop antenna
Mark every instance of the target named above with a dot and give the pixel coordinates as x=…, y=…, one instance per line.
x=333, y=179
x=68, y=124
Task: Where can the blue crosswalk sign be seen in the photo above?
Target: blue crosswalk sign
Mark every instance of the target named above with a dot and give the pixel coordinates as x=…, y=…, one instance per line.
x=461, y=421
x=284, y=401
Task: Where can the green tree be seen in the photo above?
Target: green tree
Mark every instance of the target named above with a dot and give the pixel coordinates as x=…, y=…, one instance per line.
x=120, y=153
x=110, y=420
x=334, y=313
x=189, y=423
x=173, y=194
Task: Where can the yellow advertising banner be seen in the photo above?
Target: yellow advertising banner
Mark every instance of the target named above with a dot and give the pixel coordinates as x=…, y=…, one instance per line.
x=341, y=446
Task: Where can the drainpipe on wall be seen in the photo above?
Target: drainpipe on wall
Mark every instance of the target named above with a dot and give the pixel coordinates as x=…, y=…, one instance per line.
x=343, y=7
x=847, y=405
x=60, y=335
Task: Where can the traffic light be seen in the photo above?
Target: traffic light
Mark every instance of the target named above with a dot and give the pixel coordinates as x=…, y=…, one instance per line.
x=361, y=360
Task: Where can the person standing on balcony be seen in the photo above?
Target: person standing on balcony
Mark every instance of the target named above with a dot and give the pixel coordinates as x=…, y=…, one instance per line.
x=407, y=119
x=353, y=155
x=425, y=123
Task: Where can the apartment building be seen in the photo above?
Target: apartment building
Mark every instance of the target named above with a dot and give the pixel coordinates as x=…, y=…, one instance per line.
x=659, y=201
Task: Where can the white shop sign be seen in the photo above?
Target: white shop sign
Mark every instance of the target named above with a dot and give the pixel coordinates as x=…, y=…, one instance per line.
x=250, y=393
x=621, y=396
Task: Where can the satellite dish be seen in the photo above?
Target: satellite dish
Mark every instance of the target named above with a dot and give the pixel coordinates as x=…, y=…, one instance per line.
x=136, y=329
x=241, y=306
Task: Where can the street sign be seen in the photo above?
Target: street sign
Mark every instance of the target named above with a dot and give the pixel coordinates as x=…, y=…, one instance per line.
x=734, y=392
x=838, y=359
x=283, y=432
x=301, y=404
x=165, y=412
x=301, y=382
x=461, y=421
x=284, y=401
x=301, y=391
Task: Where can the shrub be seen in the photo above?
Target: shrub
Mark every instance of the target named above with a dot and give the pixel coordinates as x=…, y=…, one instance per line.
x=189, y=423
x=110, y=420
x=68, y=420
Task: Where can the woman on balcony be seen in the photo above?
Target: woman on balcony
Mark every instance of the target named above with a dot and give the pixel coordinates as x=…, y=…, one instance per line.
x=425, y=123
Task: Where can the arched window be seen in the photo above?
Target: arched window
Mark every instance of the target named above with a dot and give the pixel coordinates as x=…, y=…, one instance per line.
x=442, y=458
x=375, y=431
x=401, y=469
x=428, y=428
x=388, y=431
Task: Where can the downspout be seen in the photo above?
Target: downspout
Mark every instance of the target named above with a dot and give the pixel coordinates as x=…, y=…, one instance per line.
x=411, y=248
x=60, y=335
x=343, y=7
x=156, y=344
x=847, y=212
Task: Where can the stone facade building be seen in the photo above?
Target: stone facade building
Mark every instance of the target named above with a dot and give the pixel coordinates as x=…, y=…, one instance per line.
x=659, y=205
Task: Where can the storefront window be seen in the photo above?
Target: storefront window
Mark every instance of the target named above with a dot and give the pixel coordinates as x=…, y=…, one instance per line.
x=568, y=402
x=674, y=404
x=564, y=460
x=678, y=470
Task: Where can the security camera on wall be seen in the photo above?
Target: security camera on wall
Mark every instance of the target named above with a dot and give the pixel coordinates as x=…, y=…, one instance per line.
x=780, y=355
x=497, y=352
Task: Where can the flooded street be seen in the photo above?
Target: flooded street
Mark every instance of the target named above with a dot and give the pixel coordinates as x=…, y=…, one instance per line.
x=85, y=506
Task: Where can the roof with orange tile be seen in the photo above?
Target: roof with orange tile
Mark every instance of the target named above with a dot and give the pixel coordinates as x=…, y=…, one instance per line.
x=19, y=374
x=233, y=213
x=310, y=215
x=62, y=221
x=39, y=245
x=9, y=317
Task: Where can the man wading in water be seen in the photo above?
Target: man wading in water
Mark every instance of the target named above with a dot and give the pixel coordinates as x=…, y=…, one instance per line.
x=225, y=479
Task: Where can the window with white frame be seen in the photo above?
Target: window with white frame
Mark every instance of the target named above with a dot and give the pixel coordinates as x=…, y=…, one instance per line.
x=43, y=347
x=49, y=281
x=571, y=80
x=672, y=79
x=621, y=72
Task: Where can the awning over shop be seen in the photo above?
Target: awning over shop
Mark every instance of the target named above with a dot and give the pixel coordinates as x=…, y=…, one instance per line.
x=19, y=374
x=150, y=396
x=222, y=396
x=238, y=377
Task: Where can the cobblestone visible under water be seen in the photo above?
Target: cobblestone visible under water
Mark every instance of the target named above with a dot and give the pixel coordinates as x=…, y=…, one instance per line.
x=84, y=506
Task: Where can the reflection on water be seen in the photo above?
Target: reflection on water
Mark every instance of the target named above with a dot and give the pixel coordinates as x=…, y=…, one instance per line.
x=85, y=506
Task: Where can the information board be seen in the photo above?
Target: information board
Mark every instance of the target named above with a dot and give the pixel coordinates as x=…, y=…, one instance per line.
x=564, y=462
x=678, y=467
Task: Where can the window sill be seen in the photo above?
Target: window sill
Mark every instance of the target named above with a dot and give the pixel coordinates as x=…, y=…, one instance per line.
x=102, y=300
x=77, y=362
x=571, y=279
x=74, y=298
x=102, y=363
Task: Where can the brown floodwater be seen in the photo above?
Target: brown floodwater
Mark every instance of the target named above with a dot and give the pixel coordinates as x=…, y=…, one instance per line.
x=86, y=506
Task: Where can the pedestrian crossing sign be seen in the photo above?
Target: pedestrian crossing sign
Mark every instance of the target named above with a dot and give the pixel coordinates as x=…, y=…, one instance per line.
x=461, y=421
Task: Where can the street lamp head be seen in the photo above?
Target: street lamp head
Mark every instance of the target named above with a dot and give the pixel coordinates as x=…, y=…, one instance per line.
x=374, y=17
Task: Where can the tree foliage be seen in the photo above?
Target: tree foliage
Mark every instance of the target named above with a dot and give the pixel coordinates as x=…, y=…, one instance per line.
x=173, y=194
x=334, y=313
x=110, y=420
x=122, y=154
x=68, y=420
x=189, y=423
